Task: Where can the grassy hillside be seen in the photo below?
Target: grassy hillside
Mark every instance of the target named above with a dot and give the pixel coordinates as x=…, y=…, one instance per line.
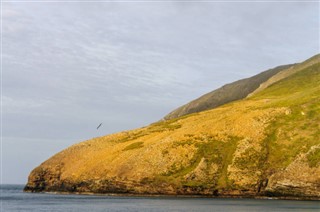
x=267, y=144
x=227, y=93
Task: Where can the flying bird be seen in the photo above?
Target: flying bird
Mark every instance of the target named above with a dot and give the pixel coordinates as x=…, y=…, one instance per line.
x=99, y=126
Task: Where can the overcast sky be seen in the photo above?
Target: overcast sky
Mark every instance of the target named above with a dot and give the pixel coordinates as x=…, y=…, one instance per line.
x=67, y=67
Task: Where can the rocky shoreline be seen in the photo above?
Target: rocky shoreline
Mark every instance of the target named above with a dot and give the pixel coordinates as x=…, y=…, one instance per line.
x=181, y=195
x=149, y=190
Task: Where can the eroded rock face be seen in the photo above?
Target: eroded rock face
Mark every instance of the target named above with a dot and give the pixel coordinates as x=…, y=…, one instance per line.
x=300, y=178
x=41, y=179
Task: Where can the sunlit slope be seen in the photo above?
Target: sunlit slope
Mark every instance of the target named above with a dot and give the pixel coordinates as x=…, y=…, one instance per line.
x=286, y=72
x=268, y=144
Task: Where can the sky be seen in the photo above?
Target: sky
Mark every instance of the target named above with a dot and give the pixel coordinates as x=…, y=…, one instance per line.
x=69, y=66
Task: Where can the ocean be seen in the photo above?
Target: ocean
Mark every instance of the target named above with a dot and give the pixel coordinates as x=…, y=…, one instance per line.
x=14, y=199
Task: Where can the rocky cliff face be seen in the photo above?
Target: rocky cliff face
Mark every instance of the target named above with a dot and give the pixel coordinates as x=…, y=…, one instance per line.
x=300, y=178
x=264, y=145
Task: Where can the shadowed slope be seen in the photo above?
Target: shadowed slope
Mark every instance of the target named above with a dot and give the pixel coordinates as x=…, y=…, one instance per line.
x=227, y=93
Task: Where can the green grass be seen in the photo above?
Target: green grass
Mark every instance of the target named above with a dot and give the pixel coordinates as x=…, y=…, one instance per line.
x=132, y=136
x=214, y=152
x=251, y=159
x=135, y=145
x=294, y=133
x=314, y=158
x=291, y=135
x=167, y=125
x=294, y=90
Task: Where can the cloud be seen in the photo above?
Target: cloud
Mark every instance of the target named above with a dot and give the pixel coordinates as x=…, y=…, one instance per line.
x=11, y=105
x=112, y=51
x=70, y=66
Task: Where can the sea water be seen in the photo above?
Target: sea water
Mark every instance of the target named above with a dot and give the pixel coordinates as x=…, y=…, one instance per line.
x=14, y=199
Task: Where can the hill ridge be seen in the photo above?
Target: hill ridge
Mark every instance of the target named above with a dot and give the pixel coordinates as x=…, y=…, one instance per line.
x=286, y=73
x=239, y=89
x=227, y=93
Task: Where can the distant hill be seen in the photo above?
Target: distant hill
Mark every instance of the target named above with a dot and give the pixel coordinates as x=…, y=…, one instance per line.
x=227, y=93
x=267, y=143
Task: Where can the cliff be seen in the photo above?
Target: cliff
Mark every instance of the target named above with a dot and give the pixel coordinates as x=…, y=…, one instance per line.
x=267, y=144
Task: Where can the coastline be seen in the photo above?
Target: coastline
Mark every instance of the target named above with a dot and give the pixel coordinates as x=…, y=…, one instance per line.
x=295, y=198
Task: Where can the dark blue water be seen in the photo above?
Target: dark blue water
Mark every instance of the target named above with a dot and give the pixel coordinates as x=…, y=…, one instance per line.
x=13, y=199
